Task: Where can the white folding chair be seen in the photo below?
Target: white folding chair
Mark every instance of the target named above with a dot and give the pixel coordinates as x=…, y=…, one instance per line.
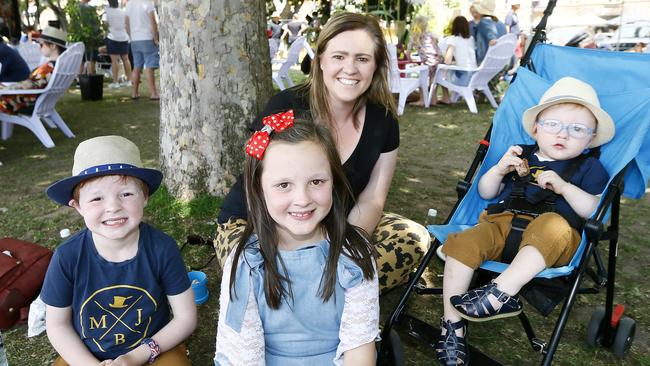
x=65, y=70
x=496, y=58
x=417, y=77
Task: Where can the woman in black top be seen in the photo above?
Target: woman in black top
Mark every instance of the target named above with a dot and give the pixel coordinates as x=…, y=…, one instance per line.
x=348, y=91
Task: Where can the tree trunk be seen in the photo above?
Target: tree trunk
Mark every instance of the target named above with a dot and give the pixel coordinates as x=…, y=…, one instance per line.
x=215, y=77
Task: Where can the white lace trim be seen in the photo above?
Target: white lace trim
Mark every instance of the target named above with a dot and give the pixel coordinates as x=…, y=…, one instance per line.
x=359, y=324
x=360, y=319
x=245, y=348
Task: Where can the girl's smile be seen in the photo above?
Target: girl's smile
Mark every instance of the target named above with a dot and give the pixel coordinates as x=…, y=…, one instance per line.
x=297, y=185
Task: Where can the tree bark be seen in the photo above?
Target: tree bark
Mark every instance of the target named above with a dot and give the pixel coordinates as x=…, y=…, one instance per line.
x=215, y=77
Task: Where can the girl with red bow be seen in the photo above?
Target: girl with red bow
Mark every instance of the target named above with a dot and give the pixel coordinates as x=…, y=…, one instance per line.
x=301, y=286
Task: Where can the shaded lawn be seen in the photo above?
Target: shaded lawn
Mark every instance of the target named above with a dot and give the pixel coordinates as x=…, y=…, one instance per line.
x=437, y=146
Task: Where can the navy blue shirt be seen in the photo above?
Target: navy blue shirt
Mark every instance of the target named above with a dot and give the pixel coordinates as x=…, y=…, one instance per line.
x=484, y=32
x=116, y=305
x=590, y=176
x=13, y=67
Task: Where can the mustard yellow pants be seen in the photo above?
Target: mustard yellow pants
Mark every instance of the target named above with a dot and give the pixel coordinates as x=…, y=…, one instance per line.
x=550, y=233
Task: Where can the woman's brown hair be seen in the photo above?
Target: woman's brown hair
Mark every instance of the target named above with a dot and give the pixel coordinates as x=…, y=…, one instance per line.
x=378, y=92
x=344, y=238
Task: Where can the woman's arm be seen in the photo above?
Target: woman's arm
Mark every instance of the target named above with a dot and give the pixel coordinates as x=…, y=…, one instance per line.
x=64, y=339
x=370, y=203
x=176, y=331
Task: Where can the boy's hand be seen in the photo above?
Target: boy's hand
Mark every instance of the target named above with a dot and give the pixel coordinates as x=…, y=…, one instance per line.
x=550, y=180
x=510, y=160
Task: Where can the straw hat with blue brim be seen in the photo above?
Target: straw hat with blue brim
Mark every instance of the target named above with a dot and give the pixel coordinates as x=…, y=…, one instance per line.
x=572, y=90
x=101, y=156
x=55, y=36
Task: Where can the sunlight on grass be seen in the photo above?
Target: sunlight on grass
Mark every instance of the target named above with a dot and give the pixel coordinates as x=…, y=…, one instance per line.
x=39, y=156
x=414, y=180
x=404, y=190
x=447, y=127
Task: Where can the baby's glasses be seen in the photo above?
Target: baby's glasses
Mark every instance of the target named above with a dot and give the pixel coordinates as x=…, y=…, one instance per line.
x=575, y=130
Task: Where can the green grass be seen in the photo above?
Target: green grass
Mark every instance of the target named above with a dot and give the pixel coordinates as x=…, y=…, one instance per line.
x=437, y=145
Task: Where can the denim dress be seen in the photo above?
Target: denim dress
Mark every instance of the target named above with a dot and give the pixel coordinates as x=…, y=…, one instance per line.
x=304, y=330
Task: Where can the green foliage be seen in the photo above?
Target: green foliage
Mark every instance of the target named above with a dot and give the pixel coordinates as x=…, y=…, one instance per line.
x=84, y=24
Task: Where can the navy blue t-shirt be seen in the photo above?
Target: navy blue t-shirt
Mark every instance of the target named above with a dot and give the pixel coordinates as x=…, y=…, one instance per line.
x=116, y=305
x=14, y=67
x=590, y=176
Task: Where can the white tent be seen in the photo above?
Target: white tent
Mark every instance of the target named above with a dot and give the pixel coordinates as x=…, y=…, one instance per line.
x=585, y=20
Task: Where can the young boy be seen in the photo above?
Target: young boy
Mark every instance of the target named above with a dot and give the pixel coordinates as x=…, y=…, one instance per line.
x=109, y=288
x=567, y=121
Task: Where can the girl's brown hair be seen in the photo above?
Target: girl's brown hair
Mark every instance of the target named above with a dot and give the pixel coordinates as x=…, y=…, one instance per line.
x=378, y=92
x=460, y=27
x=344, y=238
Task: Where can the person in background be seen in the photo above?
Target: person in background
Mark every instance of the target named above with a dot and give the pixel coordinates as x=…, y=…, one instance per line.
x=426, y=45
x=512, y=19
x=460, y=50
x=294, y=29
x=142, y=27
x=53, y=44
x=485, y=32
x=117, y=43
x=275, y=28
x=13, y=66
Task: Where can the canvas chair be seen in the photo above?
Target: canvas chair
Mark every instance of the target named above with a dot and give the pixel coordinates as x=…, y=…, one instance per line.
x=282, y=74
x=65, y=70
x=497, y=57
x=417, y=76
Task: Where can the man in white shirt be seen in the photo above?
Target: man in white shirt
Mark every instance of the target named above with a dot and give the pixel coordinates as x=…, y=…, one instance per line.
x=142, y=28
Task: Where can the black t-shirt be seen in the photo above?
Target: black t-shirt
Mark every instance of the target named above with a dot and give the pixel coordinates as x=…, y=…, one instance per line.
x=379, y=134
x=14, y=67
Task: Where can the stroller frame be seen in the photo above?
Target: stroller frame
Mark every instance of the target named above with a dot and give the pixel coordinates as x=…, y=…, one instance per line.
x=603, y=326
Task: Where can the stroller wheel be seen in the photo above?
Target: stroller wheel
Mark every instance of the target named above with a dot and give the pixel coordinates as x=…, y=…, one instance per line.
x=593, y=328
x=624, y=337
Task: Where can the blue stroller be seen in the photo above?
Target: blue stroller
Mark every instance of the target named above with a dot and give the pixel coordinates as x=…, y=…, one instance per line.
x=625, y=94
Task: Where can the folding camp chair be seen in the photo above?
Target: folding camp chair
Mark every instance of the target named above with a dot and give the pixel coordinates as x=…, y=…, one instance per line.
x=627, y=160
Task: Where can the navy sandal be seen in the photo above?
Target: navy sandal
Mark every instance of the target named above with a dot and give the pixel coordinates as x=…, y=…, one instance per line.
x=474, y=305
x=451, y=350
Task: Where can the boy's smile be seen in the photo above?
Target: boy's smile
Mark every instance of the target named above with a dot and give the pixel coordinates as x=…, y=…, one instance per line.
x=112, y=209
x=297, y=185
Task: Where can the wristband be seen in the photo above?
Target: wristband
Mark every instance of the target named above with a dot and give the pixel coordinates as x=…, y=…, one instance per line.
x=153, y=347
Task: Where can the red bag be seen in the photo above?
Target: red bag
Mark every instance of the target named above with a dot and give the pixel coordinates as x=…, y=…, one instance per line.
x=21, y=277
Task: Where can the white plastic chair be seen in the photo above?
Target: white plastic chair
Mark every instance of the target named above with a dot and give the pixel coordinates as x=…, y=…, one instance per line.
x=31, y=53
x=417, y=77
x=496, y=58
x=282, y=74
x=65, y=70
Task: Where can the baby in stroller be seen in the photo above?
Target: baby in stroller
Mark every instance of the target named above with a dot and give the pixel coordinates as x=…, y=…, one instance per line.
x=545, y=191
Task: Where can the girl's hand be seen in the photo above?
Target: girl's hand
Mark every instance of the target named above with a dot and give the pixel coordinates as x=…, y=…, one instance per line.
x=551, y=180
x=106, y=363
x=509, y=160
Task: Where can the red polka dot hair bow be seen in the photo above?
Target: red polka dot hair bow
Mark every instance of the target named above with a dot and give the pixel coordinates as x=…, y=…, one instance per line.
x=260, y=139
